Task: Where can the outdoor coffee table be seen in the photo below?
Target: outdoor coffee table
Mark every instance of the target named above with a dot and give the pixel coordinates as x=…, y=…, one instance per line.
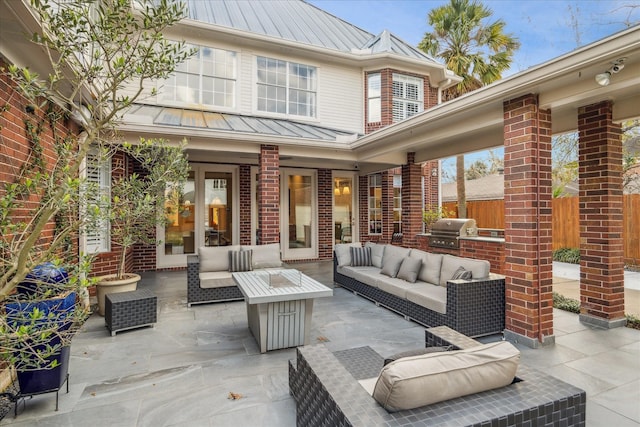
x=279, y=306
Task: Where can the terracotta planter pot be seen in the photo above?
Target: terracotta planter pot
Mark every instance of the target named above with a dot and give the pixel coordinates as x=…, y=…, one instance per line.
x=108, y=285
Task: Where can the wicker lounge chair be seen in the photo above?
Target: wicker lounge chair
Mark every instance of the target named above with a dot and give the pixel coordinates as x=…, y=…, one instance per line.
x=327, y=393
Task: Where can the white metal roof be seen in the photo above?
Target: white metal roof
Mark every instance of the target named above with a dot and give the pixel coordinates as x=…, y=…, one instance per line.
x=301, y=22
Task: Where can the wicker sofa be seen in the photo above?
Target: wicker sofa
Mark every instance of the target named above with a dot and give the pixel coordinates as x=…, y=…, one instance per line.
x=326, y=388
x=209, y=276
x=474, y=307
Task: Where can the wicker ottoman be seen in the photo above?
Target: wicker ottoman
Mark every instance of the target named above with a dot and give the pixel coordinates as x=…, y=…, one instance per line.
x=128, y=310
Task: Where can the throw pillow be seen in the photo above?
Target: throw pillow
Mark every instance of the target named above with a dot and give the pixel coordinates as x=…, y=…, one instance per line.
x=416, y=352
x=377, y=252
x=461, y=273
x=240, y=260
x=360, y=257
x=409, y=269
x=391, y=265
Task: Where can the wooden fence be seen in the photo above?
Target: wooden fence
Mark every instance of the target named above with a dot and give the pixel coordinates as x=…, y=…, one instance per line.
x=565, y=222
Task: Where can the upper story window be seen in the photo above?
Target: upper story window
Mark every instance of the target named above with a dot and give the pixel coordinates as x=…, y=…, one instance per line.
x=408, y=96
x=207, y=78
x=374, y=98
x=286, y=87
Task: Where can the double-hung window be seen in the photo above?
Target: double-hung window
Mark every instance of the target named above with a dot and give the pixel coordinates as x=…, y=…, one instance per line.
x=408, y=96
x=374, y=98
x=207, y=78
x=286, y=87
x=96, y=237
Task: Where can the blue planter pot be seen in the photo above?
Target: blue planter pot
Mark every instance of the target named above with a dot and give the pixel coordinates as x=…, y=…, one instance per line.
x=38, y=381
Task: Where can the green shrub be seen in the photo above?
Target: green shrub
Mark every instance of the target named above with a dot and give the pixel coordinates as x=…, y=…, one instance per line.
x=633, y=321
x=570, y=255
x=567, y=304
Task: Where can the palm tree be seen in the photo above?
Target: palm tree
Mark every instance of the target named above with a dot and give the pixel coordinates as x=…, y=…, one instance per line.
x=478, y=52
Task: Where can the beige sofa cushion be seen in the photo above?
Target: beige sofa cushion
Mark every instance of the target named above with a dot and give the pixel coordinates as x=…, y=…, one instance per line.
x=450, y=263
x=377, y=252
x=216, y=279
x=367, y=275
x=343, y=252
x=264, y=256
x=391, y=251
x=412, y=382
x=397, y=287
x=431, y=264
x=430, y=296
x=215, y=258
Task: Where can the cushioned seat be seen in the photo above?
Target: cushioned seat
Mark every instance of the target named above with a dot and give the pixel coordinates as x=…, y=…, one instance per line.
x=368, y=275
x=431, y=297
x=216, y=279
x=397, y=287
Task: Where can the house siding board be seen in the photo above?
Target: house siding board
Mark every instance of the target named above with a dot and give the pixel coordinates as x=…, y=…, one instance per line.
x=340, y=98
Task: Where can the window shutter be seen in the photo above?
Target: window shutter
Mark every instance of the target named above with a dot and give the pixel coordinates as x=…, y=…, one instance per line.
x=98, y=173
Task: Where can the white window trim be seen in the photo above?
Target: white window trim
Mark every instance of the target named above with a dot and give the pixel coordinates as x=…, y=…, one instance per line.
x=405, y=79
x=316, y=91
x=206, y=107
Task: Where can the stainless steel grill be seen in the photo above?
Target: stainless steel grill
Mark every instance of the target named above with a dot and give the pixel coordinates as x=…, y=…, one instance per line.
x=445, y=233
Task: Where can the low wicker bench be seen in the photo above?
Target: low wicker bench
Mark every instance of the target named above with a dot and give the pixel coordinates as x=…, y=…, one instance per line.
x=327, y=393
x=128, y=310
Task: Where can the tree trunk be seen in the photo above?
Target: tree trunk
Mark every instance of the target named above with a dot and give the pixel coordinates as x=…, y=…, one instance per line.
x=462, y=194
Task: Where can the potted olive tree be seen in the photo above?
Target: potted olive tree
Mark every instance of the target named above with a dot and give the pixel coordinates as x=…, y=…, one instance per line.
x=138, y=206
x=45, y=203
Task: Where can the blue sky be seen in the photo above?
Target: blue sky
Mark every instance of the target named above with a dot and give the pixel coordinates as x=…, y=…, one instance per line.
x=544, y=27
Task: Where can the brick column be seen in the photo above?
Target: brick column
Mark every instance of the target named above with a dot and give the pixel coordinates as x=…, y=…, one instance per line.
x=528, y=239
x=246, y=181
x=269, y=195
x=325, y=214
x=411, y=201
x=431, y=184
x=601, y=247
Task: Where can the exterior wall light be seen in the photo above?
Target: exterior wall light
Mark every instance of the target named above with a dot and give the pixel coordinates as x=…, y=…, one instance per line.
x=603, y=79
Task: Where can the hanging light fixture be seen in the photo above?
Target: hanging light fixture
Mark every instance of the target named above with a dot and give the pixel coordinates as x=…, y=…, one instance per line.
x=603, y=79
x=336, y=190
x=346, y=190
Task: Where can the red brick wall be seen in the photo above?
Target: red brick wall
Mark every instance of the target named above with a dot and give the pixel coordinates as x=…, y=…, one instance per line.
x=15, y=146
x=492, y=251
x=269, y=195
x=431, y=187
x=527, y=198
x=386, y=100
x=601, y=226
x=411, y=201
x=246, y=181
x=325, y=214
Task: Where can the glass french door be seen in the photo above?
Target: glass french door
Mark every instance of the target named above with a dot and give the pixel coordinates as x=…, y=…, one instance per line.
x=299, y=213
x=203, y=215
x=344, y=207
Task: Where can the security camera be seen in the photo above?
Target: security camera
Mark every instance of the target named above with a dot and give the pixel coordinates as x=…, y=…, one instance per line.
x=617, y=67
x=356, y=166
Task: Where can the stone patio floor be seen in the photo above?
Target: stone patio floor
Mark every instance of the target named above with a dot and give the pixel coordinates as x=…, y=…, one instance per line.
x=181, y=372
